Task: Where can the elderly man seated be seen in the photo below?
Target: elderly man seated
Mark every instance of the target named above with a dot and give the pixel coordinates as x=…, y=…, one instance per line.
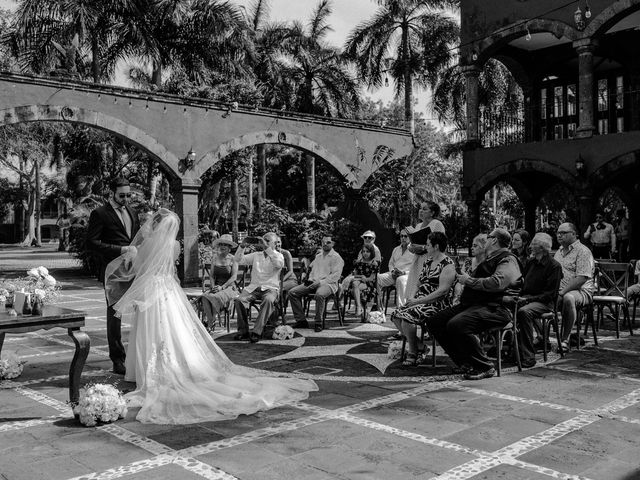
x=542, y=276
x=480, y=309
x=264, y=286
x=576, y=287
x=399, y=265
x=322, y=282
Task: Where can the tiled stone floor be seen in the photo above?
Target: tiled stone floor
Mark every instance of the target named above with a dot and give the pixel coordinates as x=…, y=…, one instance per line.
x=574, y=418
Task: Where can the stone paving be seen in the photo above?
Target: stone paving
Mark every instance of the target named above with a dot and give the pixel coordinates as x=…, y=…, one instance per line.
x=573, y=418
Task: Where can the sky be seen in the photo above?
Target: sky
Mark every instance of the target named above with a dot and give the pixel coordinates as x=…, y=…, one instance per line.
x=346, y=15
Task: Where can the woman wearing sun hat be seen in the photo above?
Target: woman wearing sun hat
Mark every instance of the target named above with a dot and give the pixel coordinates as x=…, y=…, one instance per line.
x=223, y=280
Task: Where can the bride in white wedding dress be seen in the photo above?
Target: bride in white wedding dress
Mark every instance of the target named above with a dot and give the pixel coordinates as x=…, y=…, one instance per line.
x=181, y=375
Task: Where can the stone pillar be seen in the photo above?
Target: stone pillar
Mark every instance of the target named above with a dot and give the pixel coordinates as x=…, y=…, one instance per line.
x=472, y=73
x=585, y=210
x=473, y=207
x=185, y=193
x=586, y=87
x=530, y=216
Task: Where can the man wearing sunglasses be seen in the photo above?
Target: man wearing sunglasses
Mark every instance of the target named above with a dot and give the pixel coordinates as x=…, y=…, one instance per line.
x=110, y=231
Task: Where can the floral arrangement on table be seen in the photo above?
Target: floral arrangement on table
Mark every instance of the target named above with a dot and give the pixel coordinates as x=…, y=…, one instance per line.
x=395, y=349
x=100, y=402
x=10, y=366
x=377, y=317
x=38, y=282
x=283, y=332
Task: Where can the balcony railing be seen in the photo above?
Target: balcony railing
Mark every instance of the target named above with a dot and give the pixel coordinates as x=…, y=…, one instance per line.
x=613, y=113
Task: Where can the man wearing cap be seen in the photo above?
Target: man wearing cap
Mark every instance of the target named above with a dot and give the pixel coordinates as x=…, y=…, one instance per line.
x=368, y=238
x=264, y=286
x=322, y=282
x=399, y=265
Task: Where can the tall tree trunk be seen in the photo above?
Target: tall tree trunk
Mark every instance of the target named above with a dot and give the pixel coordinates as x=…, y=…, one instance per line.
x=408, y=110
x=310, y=164
x=262, y=175
x=156, y=75
x=95, y=59
x=262, y=158
x=38, y=206
x=235, y=208
x=250, y=188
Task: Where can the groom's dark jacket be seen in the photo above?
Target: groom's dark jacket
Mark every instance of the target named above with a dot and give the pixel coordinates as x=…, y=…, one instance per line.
x=106, y=235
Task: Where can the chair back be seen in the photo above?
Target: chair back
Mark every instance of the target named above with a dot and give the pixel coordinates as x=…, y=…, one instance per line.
x=205, y=273
x=300, y=270
x=612, y=279
x=243, y=277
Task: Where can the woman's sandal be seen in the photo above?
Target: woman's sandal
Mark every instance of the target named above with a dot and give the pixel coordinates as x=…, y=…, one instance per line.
x=411, y=360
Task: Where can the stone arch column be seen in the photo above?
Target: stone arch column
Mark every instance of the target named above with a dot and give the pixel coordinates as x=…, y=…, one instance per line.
x=185, y=192
x=472, y=75
x=585, y=48
x=473, y=206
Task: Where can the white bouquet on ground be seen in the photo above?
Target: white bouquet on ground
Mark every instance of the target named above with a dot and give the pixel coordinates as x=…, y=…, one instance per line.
x=100, y=402
x=395, y=349
x=283, y=332
x=10, y=366
x=377, y=317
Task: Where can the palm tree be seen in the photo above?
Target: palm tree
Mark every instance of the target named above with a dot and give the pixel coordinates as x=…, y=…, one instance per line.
x=407, y=40
x=498, y=93
x=318, y=78
x=44, y=30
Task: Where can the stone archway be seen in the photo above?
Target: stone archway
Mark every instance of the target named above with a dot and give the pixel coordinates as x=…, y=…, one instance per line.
x=277, y=138
x=489, y=46
x=610, y=16
x=58, y=113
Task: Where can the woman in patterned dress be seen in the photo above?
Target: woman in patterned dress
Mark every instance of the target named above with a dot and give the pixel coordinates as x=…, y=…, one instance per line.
x=434, y=294
x=223, y=274
x=363, y=285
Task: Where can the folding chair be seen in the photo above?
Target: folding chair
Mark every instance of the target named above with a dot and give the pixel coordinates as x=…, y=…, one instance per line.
x=611, y=291
x=499, y=335
x=386, y=296
x=549, y=320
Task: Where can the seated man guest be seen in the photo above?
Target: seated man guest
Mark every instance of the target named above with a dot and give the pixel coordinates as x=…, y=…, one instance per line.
x=578, y=268
x=399, y=265
x=322, y=282
x=457, y=328
x=541, y=276
x=264, y=286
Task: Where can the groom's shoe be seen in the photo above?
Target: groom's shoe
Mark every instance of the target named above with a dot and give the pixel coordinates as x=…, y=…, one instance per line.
x=241, y=336
x=254, y=337
x=118, y=368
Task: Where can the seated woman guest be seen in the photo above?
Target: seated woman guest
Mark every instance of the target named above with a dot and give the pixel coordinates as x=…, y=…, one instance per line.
x=428, y=214
x=470, y=263
x=434, y=294
x=520, y=245
x=224, y=270
x=363, y=283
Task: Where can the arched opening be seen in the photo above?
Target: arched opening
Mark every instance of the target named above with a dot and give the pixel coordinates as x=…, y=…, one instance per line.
x=58, y=171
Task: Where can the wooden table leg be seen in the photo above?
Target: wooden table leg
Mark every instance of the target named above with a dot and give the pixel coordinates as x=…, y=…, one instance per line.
x=81, y=339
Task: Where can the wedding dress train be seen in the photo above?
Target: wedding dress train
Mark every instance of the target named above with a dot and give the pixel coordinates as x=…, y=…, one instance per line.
x=181, y=375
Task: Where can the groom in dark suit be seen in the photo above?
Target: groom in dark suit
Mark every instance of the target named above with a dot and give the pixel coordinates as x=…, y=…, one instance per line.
x=111, y=229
